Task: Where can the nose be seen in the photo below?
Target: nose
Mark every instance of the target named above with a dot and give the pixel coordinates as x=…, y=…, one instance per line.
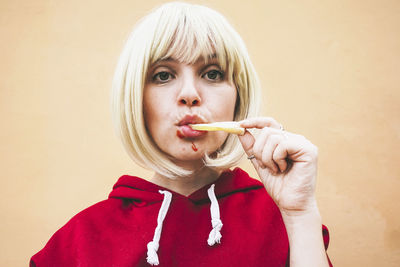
x=189, y=93
x=189, y=101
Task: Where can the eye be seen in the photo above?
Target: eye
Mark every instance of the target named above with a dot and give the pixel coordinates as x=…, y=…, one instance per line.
x=162, y=77
x=213, y=75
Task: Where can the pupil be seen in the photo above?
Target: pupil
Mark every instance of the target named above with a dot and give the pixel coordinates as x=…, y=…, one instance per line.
x=164, y=76
x=212, y=74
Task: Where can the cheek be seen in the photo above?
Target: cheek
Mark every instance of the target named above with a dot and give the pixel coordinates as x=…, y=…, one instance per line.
x=153, y=107
x=158, y=113
x=225, y=105
x=151, y=112
x=233, y=102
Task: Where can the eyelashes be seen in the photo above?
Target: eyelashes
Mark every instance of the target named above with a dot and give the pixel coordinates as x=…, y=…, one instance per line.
x=213, y=75
x=162, y=77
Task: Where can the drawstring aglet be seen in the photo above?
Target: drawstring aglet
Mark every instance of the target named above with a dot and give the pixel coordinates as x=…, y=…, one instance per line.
x=152, y=257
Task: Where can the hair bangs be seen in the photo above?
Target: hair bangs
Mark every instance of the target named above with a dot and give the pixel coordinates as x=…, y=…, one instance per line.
x=186, y=35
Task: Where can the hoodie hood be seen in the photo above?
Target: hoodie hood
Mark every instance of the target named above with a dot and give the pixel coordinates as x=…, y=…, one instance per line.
x=143, y=192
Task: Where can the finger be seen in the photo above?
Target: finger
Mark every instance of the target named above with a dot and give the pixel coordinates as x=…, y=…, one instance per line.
x=267, y=154
x=280, y=155
x=260, y=122
x=260, y=142
x=247, y=140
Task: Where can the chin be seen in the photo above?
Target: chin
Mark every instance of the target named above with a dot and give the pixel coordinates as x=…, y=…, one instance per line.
x=189, y=156
x=189, y=162
x=189, y=151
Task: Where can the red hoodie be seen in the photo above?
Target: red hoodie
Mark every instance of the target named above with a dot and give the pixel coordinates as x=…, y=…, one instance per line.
x=116, y=231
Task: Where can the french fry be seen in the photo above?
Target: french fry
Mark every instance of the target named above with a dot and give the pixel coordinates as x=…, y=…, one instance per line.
x=226, y=126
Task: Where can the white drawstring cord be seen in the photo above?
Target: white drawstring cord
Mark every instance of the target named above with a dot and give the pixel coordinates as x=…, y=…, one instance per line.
x=152, y=246
x=215, y=234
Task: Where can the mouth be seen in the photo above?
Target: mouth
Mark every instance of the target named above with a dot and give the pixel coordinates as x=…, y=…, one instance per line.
x=184, y=129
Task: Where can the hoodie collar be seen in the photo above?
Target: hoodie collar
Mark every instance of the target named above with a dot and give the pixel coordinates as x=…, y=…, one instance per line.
x=140, y=190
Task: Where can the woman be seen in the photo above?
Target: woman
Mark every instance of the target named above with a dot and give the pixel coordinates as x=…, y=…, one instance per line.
x=184, y=64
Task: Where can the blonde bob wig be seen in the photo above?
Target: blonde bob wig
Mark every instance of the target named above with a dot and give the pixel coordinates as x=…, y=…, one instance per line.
x=185, y=32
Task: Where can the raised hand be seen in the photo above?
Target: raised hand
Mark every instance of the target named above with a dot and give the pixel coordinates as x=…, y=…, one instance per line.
x=285, y=162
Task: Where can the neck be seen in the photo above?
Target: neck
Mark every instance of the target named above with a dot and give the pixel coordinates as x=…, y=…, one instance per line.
x=188, y=184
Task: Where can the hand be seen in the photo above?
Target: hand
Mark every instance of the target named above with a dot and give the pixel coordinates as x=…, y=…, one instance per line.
x=285, y=162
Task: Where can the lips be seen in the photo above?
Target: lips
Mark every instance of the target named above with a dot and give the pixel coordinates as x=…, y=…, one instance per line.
x=184, y=130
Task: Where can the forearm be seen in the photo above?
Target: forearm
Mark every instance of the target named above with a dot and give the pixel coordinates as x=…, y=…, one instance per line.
x=306, y=243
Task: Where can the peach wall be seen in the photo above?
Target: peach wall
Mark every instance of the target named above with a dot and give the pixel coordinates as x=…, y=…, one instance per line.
x=330, y=71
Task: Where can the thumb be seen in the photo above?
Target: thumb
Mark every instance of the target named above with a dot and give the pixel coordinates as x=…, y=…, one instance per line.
x=247, y=140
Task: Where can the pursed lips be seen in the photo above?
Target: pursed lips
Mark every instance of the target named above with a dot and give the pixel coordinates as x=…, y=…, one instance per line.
x=184, y=130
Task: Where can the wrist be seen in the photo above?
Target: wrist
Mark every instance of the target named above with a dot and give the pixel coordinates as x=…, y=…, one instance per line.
x=304, y=230
x=307, y=218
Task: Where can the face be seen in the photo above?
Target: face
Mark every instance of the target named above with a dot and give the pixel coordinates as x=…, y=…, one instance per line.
x=177, y=94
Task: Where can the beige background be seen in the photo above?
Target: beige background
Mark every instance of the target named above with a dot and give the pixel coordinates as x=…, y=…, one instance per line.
x=330, y=71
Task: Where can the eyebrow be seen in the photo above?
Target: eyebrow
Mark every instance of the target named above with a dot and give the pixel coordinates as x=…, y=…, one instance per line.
x=165, y=59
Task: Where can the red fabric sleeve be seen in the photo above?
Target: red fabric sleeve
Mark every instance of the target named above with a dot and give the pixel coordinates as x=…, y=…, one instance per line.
x=325, y=234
